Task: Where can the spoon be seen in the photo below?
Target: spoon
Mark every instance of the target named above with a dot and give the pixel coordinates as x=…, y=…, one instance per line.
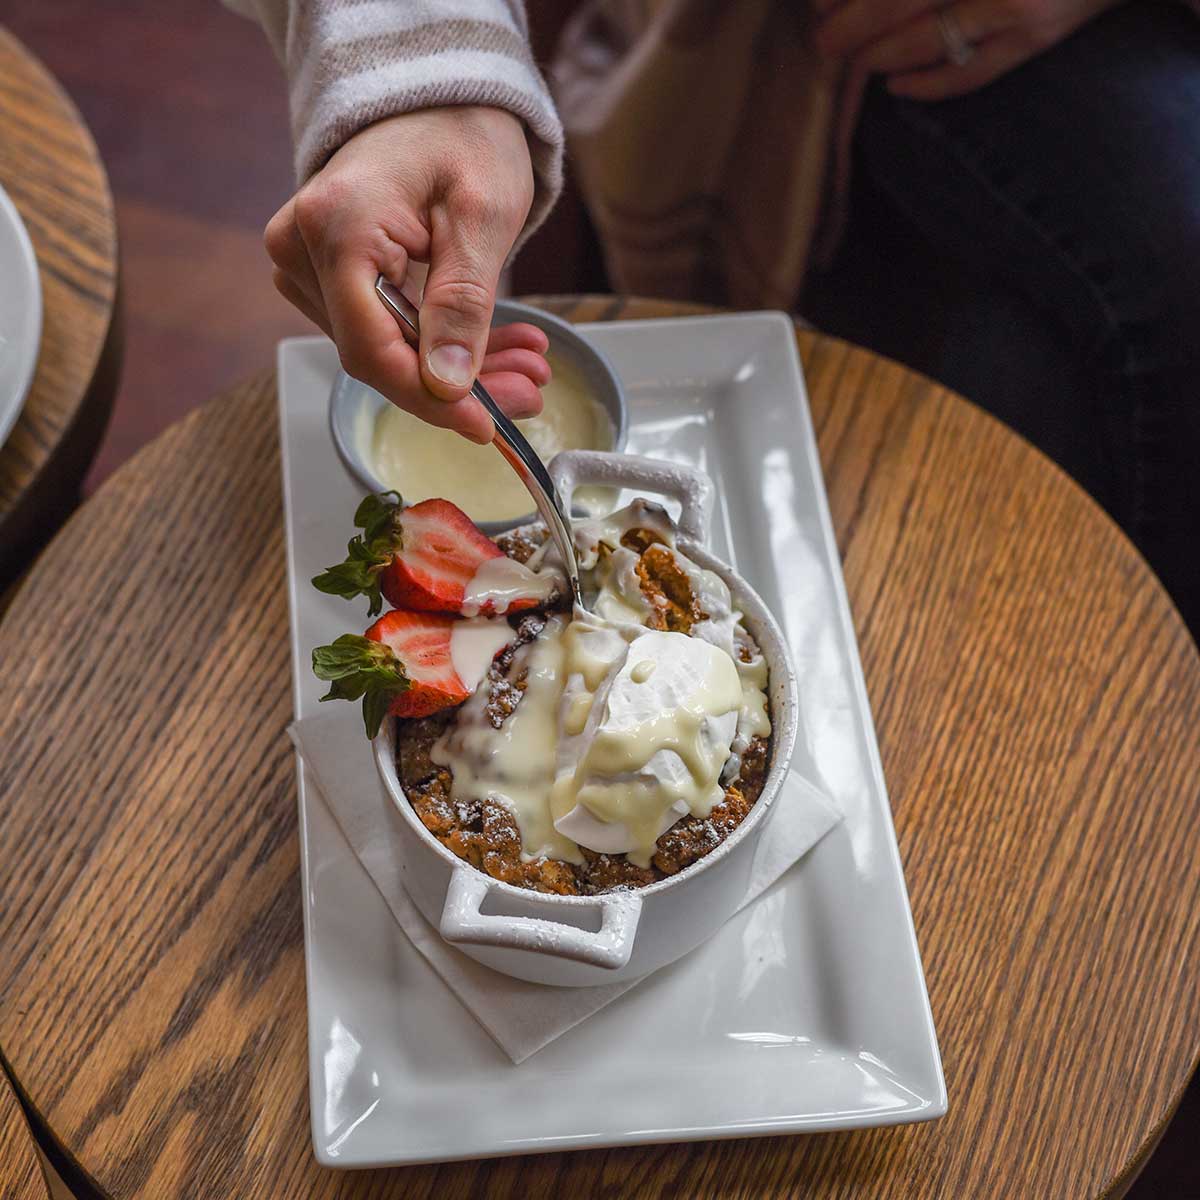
x=509, y=440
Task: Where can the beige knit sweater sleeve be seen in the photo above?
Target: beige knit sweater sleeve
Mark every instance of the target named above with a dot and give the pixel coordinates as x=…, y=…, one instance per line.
x=350, y=63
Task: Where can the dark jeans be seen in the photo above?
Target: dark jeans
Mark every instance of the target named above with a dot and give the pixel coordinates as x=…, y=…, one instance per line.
x=1036, y=246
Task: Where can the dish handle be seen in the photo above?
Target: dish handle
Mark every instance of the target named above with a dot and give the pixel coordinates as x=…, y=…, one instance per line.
x=693, y=489
x=609, y=947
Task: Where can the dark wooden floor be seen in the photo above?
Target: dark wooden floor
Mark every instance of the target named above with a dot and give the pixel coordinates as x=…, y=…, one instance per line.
x=187, y=105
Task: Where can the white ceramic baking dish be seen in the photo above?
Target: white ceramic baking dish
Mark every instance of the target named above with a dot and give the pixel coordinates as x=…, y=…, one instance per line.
x=585, y=940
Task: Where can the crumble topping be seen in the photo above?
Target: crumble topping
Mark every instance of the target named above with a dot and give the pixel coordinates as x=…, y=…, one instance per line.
x=667, y=586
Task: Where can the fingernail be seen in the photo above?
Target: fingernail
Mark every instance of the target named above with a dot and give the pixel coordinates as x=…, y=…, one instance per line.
x=451, y=363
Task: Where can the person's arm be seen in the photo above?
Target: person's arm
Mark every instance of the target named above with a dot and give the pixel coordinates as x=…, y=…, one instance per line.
x=423, y=132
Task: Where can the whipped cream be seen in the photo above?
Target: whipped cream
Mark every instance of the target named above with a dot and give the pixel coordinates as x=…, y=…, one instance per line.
x=621, y=730
x=661, y=719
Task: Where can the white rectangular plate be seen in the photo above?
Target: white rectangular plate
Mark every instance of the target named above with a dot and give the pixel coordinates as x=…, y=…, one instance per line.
x=806, y=1012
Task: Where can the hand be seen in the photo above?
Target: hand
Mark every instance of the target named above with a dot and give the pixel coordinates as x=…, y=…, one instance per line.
x=446, y=186
x=902, y=39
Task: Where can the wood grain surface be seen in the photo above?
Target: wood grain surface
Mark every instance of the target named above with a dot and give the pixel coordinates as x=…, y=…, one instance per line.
x=20, y=1174
x=1037, y=701
x=50, y=168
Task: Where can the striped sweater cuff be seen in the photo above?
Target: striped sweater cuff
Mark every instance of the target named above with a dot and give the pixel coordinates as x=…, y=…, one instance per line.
x=351, y=63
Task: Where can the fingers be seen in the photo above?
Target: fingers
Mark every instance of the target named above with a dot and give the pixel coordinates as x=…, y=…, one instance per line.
x=919, y=43
x=992, y=58
x=520, y=335
x=369, y=341
x=470, y=238
x=519, y=348
x=315, y=312
x=516, y=393
x=344, y=258
x=464, y=416
x=522, y=362
x=856, y=23
x=372, y=348
x=290, y=255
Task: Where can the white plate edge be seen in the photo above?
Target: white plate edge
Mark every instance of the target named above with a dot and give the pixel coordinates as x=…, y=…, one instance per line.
x=282, y=352
x=29, y=368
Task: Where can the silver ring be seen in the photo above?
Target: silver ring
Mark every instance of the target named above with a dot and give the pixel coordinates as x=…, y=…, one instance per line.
x=959, y=49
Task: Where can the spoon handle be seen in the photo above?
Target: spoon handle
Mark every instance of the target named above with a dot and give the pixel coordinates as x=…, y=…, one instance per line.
x=509, y=440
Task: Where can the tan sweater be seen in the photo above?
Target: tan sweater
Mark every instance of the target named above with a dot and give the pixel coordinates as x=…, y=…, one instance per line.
x=708, y=137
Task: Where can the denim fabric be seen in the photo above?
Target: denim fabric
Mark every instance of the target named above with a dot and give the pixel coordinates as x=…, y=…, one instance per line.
x=1068, y=194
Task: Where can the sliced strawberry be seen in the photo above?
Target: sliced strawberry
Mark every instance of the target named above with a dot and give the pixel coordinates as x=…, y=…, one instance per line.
x=440, y=552
x=402, y=666
x=420, y=642
x=420, y=558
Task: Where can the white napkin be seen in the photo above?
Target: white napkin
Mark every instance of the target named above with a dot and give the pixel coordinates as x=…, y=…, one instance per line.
x=521, y=1017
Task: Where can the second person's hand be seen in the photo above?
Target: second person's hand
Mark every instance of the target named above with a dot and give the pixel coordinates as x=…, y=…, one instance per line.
x=904, y=39
x=450, y=187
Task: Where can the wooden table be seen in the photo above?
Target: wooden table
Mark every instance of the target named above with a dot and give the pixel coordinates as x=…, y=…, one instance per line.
x=1037, y=701
x=20, y=1173
x=50, y=168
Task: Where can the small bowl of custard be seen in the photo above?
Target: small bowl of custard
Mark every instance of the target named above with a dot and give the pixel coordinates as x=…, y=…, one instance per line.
x=388, y=449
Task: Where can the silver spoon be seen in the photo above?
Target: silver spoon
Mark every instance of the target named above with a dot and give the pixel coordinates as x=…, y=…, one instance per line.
x=509, y=440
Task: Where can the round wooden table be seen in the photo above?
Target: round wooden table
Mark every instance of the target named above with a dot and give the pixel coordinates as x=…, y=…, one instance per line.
x=1037, y=700
x=50, y=167
x=20, y=1172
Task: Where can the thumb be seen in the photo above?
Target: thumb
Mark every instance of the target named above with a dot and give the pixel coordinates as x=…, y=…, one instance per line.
x=456, y=308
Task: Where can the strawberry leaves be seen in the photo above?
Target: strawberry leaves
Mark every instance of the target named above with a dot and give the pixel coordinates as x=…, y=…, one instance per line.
x=357, y=667
x=367, y=553
x=378, y=516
